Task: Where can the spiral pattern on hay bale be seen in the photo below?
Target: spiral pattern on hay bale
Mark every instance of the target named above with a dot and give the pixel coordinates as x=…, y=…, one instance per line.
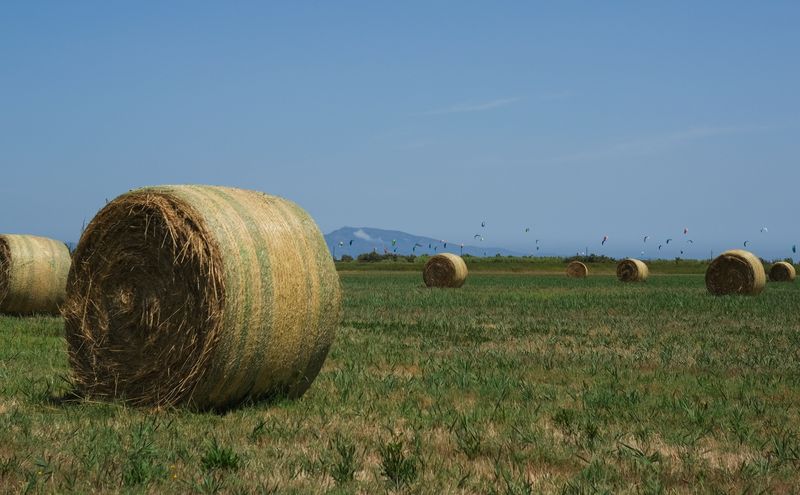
x=576, y=269
x=445, y=270
x=735, y=272
x=33, y=274
x=200, y=295
x=632, y=270
x=782, y=271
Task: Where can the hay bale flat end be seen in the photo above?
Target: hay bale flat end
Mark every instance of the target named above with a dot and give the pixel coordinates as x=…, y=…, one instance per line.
x=735, y=272
x=576, y=269
x=445, y=270
x=632, y=270
x=782, y=271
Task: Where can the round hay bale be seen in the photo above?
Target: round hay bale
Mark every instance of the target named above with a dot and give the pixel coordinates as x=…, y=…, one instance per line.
x=735, y=272
x=782, y=272
x=632, y=270
x=576, y=269
x=201, y=296
x=445, y=270
x=33, y=274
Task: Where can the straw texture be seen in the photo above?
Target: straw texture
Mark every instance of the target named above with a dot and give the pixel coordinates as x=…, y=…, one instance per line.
x=33, y=274
x=735, y=272
x=782, y=272
x=576, y=269
x=445, y=270
x=632, y=270
x=200, y=295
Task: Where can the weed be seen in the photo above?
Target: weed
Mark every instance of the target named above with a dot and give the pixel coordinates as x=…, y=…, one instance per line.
x=258, y=431
x=398, y=467
x=469, y=437
x=141, y=465
x=217, y=456
x=209, y=484
x=9, y=466
x=344, y=463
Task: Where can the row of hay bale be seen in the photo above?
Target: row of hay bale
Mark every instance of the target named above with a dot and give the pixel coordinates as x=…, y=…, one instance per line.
x=733, y=272
x=628, y=270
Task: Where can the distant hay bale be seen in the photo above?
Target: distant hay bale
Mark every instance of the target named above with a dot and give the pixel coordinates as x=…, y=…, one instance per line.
x=632, y=270
x=445, y=270
x=201, y=296
x=782, y=272
x=576, y=269
x=735, y=272
x=33, y=274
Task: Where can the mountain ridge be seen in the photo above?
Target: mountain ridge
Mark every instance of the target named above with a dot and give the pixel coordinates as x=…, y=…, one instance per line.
x=353, y=241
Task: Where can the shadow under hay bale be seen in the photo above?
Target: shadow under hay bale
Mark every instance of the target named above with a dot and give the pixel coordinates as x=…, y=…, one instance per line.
x=445, y=270
x=632, y=270
x=576, y=269
x=735, y=272
x=201, y=296
x=782, y=272
x=33, y=274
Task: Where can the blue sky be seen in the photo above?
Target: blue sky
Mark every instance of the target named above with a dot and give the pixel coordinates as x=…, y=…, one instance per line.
x=578, y=119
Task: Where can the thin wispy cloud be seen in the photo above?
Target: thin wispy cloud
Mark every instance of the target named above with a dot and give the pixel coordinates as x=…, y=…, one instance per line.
x=659, y=142
x=473, y=107
x=362, y=235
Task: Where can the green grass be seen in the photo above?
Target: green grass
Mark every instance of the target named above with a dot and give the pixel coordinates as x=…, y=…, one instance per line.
x=516, y=383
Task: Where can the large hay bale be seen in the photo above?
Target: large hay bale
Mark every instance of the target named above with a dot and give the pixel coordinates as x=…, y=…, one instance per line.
x=632, y=270
x=782, y=272
x=576, y=269
x=200, y=295
x=445, y=270
x=33, y=274
x=735, y=272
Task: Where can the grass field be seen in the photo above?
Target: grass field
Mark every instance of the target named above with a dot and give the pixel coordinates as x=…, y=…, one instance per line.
x=516, y=383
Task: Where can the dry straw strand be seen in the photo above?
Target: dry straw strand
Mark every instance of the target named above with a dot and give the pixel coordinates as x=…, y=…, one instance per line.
x=632, y=270
x=782, y=271
x=576, y=269
x=445, y=270
x=200, y=295
x=735, y=272
x=33, y=274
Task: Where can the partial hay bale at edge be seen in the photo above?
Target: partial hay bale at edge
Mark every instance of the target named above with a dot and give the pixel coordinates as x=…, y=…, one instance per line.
x=735, y=272
x=576, y=269
x=445, y=270
x=782, y=272
x=632, y=270
x=33, y=274
x=201, y=296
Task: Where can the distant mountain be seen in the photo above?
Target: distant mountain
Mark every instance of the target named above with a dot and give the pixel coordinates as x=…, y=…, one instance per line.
x=368, y=239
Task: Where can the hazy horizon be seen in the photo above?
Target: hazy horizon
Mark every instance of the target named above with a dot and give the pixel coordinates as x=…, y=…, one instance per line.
x=562, y=248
